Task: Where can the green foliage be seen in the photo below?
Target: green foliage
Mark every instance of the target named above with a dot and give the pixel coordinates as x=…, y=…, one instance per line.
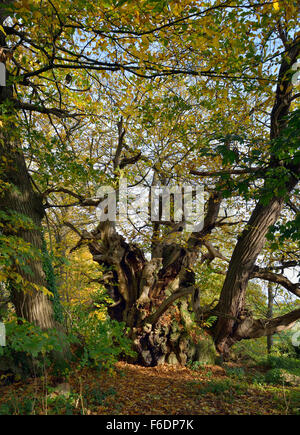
x=195, y=365
x=17, y=406
x=29, y=350
x=14, y=250
x=5, y=409
x=68, y=404
x=288, y=230
x=30, y=339
x=15, y=221
x=229, y=156
x=284, y=346
x=222, y=387
x=283, y=370
x=216, y=387
x=253, y=351
x=210, y=321
x=285, y=149
x=59, y=403
x=235, y=372
x=101, y=299
x=274, y=376
x=104, y=340
x=258, y=379
x=279, y=362
x=97, y=396
x=51, y=284
x=286, y=146
x=91, y=397
x=294, y=398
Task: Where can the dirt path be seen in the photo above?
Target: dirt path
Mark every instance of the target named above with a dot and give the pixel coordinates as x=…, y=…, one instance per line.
x=164, y=390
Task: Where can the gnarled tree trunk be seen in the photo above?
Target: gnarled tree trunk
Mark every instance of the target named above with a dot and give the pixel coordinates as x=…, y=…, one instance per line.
x=143, y=289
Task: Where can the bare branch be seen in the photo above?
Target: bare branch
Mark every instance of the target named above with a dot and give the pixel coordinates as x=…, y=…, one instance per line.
x=212, y=253
x=84, y=235
x=86, y=202
x=60, y=113
x=294, y=97
x=130, y=160
x=224, y=172
x=277, y=279
x=284, y=265
x=210, y=219
x=121, y=132
x=73, y=228
x=293, y=206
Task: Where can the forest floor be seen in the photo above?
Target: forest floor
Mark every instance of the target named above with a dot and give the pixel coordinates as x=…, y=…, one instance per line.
x=163, y=390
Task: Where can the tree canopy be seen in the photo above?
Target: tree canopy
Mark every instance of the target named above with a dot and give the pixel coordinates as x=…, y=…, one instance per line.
x=161, y=93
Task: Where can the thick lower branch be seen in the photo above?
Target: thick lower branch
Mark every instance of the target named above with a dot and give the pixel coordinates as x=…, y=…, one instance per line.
x=255, y=328
x=153, y=318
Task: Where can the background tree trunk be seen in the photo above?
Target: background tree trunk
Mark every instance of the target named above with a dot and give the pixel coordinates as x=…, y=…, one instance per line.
x=232, y=299
x=19, y=197
x=230, y=310
x=270, y=315
x=30, y=304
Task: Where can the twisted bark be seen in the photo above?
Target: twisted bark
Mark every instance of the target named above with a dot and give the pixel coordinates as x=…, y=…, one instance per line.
x=20, y=197
x=143, y=290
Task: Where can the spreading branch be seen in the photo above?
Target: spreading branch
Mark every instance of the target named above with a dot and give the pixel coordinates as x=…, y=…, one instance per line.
x=225, y=172
x=277, y=279
x=255, y=328
x=153, y=318
x=60, y=113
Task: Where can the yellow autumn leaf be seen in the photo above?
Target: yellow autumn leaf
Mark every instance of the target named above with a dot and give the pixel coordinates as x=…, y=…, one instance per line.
x=276, y=5
x=2, y=30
